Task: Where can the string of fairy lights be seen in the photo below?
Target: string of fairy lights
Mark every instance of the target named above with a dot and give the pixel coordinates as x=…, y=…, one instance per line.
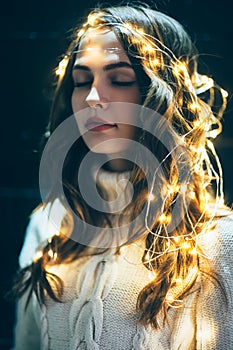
x=152, y=53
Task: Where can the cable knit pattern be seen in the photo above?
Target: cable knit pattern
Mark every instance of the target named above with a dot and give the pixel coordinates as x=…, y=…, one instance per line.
x=100, y=293
x=139, y=340
x=86, y=314
x=44, y=328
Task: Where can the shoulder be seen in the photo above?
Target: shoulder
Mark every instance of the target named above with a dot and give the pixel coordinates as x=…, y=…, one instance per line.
x=215, y=297
x=217, y=243
x=44, y=222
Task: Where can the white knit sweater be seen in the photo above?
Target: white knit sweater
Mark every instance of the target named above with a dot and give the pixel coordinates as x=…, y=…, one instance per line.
x=98, y=312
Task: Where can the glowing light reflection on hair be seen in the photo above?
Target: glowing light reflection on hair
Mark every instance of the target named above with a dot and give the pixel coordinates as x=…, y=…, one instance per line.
x=60, y=70
x=149, y=55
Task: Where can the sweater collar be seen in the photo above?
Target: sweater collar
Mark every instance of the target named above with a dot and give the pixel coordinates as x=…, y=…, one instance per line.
x=114, y=185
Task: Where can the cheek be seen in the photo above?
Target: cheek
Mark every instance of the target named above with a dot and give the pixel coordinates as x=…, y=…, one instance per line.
x=132, y=96
x=77, y=101
x=135, y=95
x=73, y=102
x=130, y=132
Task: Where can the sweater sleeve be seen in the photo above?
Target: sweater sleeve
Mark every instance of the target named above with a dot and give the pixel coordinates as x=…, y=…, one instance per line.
x=44, y=223
x=214, y=314
x=27, y=330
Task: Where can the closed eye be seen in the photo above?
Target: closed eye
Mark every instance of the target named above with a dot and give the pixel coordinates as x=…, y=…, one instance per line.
x=114, y=83
x=124, y=83
x=82, y=84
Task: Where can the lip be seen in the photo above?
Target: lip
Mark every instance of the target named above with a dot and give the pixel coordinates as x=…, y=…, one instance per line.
x=98, y=124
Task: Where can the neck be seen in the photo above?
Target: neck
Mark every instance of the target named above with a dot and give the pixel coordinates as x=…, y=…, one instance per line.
x=118, y=165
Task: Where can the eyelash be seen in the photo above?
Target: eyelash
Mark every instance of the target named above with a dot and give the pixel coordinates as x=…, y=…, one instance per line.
x=116, y=83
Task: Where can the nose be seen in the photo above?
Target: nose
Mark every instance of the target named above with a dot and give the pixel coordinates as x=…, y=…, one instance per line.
x=95, y=98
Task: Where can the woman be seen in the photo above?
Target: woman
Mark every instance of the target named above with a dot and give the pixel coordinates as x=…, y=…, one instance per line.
x=130, y=249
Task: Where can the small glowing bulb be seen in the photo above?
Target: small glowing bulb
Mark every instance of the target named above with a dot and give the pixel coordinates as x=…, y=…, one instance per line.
x=151, y=197
x=80, y=32
x=92, y=19
x=179, y=68
x=178, y=280
x=128, y=26
x=124, y=249
x=151, y=275
x=62, y=66
x=164, y=219
x=183, y=188
x=224, y=93
x=186, y=245
x=192, y=195
x=213, y=133
x=155, y=62
x=176, y=239
x=170, y=299
x=196, y=123
x=51, y=253
x=193, y=251
x=194, y=270
x=173, y=189
x=37, y=255
x=192, y=106
x=182, y=140
x=147, y=48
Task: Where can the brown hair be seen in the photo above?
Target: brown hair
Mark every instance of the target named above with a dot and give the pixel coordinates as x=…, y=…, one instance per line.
x=165, y=62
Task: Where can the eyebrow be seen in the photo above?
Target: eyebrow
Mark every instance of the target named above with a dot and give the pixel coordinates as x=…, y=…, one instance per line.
x=105, y=68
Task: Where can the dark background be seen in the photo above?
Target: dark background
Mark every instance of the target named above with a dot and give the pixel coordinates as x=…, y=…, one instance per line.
x=33, y=37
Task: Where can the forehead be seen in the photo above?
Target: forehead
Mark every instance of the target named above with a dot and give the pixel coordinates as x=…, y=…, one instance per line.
x=100, y=45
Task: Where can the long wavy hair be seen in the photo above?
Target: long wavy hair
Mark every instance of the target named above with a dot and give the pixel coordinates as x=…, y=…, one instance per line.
x=166, y=65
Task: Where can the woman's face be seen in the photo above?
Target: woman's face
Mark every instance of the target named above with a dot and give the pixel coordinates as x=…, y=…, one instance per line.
x=102, y=74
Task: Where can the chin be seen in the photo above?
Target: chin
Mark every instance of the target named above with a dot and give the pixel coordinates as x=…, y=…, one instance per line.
x=114, y=146
x=106, y=150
